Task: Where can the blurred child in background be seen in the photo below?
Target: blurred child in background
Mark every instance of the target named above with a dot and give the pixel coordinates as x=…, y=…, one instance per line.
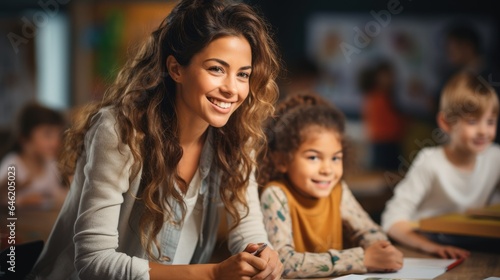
x=461, y=174
x=384, y=123
x=305, y=202
x=37, y=141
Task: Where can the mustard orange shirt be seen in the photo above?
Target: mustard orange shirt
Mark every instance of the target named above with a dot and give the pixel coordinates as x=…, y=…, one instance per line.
x=306, y=233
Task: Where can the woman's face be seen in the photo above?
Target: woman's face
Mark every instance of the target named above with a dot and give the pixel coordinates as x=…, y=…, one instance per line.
x=216, y=81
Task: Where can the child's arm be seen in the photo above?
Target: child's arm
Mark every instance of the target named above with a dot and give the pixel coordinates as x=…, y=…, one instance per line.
x=408, y=194
x=401, y=209
x=279, y=228
x=380, y=254
x=364, y=231
x=404, y=232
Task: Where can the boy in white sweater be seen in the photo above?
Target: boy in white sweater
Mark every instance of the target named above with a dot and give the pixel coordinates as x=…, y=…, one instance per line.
x=460, y=174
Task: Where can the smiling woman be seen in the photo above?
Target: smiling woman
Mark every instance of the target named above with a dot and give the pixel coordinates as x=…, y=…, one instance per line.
x=214, y=84
x=154, y=160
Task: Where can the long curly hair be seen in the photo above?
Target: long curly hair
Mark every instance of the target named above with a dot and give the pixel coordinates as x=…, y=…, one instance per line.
x=287, y=130
x=143, y=97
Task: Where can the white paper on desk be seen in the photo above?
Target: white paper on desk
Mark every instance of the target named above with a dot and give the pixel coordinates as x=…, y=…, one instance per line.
x=413, y=268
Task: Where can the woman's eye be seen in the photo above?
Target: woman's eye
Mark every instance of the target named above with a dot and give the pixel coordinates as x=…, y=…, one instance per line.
x=244, y=75
x=312, y=158
x=217, y=69
x=492, y=122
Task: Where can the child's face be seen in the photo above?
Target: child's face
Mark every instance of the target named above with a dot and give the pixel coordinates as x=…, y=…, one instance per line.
x=44, y=141
x=316, y=166
x=216, y=81
x=474, y=134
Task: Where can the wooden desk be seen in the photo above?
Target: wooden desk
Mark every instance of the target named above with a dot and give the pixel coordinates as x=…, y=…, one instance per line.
x=462, y=224
x=31, y=224
x=478, y=266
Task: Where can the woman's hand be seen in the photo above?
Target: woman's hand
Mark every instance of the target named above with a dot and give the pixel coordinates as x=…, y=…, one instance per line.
x=273, y=268
x=383, y=256
x=446, y=252
x=241, y=266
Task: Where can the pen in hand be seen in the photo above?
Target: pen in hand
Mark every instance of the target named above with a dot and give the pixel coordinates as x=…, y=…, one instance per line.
x=259, y=250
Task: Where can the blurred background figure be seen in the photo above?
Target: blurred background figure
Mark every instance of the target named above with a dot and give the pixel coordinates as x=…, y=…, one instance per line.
x=33, y=152
x=382, y=119
x=301, y=77
x=464, y=49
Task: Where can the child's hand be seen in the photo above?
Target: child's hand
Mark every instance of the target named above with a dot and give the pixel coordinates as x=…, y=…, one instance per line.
x=247, y=266
x=383, y=256
x=446, y=252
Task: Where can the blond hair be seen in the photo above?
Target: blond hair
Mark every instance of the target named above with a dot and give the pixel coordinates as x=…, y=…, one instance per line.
x=467, y=94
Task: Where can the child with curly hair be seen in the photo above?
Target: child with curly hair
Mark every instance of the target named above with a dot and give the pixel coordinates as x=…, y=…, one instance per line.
x=305, y=202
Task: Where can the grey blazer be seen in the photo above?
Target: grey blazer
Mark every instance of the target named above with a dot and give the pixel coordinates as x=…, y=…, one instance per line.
x=96, y=235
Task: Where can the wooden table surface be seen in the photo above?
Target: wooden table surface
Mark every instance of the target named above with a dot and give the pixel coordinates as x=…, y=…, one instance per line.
x=478, y=266
x=33, y=225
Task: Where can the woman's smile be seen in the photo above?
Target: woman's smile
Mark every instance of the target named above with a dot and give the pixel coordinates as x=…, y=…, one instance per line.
x=219, y=104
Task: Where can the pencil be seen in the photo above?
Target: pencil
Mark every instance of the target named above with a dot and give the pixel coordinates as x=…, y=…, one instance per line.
x=455, y=263
x=259, y=250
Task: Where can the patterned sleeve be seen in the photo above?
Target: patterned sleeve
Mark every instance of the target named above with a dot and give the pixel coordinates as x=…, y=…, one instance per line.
x=358, y=224
x=279, y=228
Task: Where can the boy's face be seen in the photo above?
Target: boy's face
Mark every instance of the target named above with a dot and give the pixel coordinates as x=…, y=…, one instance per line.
x=44, y=141
x=474, y=134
